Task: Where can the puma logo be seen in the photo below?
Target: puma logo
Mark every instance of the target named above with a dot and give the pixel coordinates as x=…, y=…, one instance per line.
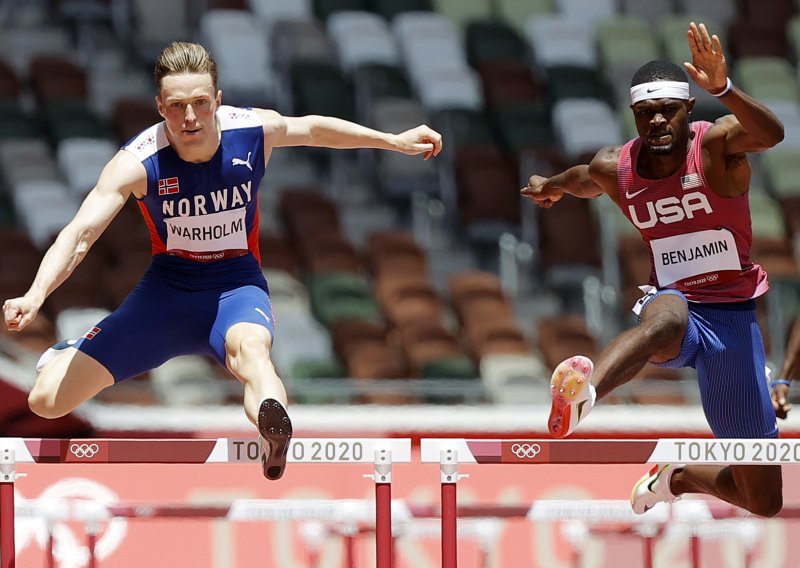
x=240, y=162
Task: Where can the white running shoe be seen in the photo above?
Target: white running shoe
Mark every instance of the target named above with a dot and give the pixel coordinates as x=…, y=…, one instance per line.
x=51, y=352
x=573, y=395
x=653, y=487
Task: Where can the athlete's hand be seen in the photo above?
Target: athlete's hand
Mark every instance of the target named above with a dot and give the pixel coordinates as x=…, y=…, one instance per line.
x=420, y=140
x=779, y=395
x=543, y=194
x=708, y=68
x=19, y=312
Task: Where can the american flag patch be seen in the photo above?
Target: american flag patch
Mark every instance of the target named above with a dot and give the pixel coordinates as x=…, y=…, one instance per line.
x=168, y=186
x=92, y=332
x=690, y=181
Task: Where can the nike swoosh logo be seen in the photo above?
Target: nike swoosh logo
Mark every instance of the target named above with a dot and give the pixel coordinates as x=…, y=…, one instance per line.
x=653, y=90
x=630, y=195
x=580, y=408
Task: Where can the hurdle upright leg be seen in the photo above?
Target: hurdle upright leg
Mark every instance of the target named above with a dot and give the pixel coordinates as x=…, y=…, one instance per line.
x=8, y=475
x=384, y=542
x=449, y=478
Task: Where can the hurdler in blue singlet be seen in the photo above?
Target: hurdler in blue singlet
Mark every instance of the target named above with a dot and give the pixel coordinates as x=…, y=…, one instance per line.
x=205, y=275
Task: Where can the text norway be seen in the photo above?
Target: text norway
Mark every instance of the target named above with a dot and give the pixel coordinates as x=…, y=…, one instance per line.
x=221, y=200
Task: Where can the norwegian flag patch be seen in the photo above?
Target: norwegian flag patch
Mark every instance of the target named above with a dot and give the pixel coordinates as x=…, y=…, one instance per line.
x=92, y=332
x=691, y=180
x=168, y=186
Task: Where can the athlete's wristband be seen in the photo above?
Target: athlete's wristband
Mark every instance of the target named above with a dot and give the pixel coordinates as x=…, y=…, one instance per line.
x=775, y=382
x=726, y=90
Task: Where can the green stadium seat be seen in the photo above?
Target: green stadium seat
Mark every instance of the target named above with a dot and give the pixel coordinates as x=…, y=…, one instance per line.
x=340, y=296
x=462, y=12
x=766, y=78
x=626, y=42
x=782, y=171
x=320, y=88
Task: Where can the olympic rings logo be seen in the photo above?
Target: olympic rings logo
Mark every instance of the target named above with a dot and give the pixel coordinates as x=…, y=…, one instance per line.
x=526, y=450
x=713, y=277
x=87, y=451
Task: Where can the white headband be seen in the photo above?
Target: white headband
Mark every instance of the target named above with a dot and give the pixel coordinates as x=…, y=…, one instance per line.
x=660, y=90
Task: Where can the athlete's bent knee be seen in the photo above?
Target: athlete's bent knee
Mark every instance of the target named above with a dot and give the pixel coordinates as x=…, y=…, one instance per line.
x=42, y=405
x=665, y=327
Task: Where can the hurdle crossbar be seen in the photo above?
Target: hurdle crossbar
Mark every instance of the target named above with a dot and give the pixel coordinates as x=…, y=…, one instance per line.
x=381, y=452
x=449, y=453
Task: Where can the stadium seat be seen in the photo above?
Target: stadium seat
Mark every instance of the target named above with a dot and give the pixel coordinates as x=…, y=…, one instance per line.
x=722, y=12
x=189, y=380
x=389, y=9
x=15, y=123
x=767, y=78
x=462, y=12
x=278, y=254
x=590, y=12
x=518, y=12
x=329, y=253
x=585, y=125
x=320, y=88
x=9, y=82
x=488, y=195
x=508, y=82
x=268, y=11
x=323, y=9
x=556, y=40
x=515, y=378
x=398, y=175
x=342, y=296
x=362, y=38
x=492, y=40
x=626, y=42
x=782, y=171
x=246, y=81
x=82, y=160
x=563, y=336
x=652, y=11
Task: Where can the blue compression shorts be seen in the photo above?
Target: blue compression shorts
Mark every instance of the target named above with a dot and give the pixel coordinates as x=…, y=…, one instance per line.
x=160, y=320
x=723, y=342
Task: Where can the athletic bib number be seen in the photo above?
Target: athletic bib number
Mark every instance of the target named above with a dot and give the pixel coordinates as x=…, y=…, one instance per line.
x=223, y=231
x=695, y=259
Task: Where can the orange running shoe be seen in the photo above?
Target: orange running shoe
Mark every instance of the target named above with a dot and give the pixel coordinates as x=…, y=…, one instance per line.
x=573, y=395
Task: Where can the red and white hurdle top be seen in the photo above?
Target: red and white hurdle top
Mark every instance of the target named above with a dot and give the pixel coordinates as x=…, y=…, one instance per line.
x=668, y=450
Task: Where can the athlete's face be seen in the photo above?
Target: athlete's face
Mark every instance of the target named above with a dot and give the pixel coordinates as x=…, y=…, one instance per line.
x=188, y=102
x=663, y=124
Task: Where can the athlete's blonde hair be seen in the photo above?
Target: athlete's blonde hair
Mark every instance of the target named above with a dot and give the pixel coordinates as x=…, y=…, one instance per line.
x=184, y=57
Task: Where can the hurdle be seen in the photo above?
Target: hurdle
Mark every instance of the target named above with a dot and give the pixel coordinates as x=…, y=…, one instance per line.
x=449, y=453
x=380, y=452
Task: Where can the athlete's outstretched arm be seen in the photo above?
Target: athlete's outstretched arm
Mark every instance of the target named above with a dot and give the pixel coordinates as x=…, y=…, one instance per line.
x=330, y=132
x=752, y=127
x=585, y=180
x=121, y=176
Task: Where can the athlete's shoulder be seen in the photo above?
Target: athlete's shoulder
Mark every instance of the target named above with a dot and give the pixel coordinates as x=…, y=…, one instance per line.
x=232, y=118
x=148, y=142
x=606, y=159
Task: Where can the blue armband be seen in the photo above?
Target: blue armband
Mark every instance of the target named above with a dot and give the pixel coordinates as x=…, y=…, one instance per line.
x=775, y=382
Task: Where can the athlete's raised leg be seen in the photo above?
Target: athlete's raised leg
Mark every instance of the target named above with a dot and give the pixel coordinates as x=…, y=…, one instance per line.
x=657, y=338
x=247, y=356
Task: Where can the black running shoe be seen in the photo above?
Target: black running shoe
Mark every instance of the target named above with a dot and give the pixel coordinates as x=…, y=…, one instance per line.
x=276, y=433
